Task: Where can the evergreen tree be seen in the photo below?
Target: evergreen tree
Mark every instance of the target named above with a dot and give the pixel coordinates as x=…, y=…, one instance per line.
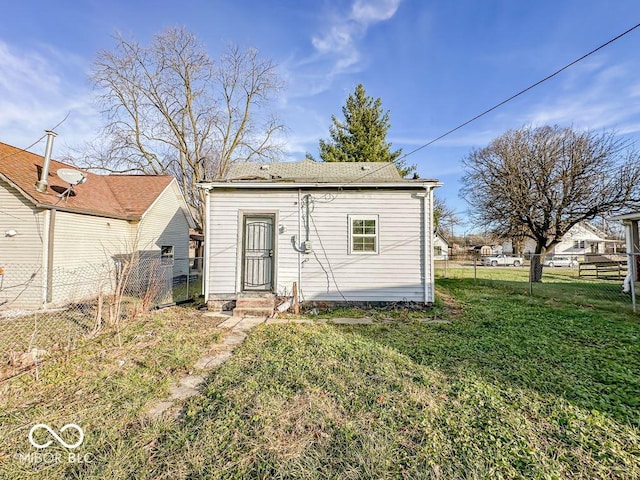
x=361, y=137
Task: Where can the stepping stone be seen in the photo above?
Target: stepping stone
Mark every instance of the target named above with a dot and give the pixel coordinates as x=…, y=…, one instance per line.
x=248, y=323
x=352, y=321
x=188, y=387
x=158, y=409
x=212, y=361
x=230, y=323
x=233, y=339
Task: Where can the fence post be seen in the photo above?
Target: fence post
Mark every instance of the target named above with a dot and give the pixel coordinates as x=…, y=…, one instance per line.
x=531, y=264
x=633, y=261
x=475, y=269
x=188, y=277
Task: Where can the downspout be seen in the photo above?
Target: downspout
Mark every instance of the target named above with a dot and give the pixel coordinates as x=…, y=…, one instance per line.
x=45, y=257
x=207, y=245
x=50, y=243
x=431, y=260
x=299, y=236
x=428, y=264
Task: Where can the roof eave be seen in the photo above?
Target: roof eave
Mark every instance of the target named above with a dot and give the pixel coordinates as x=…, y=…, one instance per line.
x=295, y=185
x=627, y=216
x=82, y=211
x=22, y=192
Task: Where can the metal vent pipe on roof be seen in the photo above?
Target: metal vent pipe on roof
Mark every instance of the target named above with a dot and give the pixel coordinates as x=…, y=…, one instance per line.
x=41, y=185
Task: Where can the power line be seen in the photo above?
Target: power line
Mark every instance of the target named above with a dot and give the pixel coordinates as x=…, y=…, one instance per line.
x=25, y=149
x=497, y=105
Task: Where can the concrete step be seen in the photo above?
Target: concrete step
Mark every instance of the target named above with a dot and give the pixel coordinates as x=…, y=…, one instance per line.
x=255, y=302
x=252, y=312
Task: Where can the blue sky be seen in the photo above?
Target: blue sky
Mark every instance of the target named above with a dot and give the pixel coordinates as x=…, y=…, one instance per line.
x=434, y=64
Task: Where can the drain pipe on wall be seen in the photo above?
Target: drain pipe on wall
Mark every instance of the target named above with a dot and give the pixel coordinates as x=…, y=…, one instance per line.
x=299, y=236
x=207, y=241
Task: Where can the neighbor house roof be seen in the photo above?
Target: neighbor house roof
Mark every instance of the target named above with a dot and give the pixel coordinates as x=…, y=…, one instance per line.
x=117, y=196
x=627, y=216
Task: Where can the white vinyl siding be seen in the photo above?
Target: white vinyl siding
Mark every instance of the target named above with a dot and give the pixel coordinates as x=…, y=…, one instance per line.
x=84, y=251
x=20, y=255
x=330, y=273
x=165, y=224
x=84, y=247
x=227, y=208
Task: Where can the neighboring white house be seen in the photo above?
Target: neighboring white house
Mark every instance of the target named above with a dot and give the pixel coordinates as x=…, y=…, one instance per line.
x=440, y=247
x=355, y=232
x=55, y=245
x=581, y=239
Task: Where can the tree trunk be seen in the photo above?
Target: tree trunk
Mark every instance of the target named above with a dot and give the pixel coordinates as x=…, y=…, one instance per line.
x=535, y=271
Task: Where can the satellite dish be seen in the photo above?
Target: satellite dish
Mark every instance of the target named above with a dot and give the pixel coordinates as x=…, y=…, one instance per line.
x=71, y=176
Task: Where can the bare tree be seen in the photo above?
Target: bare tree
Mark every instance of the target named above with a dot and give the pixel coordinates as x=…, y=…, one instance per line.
x=444, y=216
x=170, y=109
x=540, y=182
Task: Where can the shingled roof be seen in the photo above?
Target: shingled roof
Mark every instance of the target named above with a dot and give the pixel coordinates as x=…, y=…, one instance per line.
x=116, y=196
x=315, y=172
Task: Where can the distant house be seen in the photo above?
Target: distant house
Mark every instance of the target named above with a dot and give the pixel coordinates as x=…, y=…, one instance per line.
x=582, y=239
x=343, y=232
x=440, y=247
x=55, y=243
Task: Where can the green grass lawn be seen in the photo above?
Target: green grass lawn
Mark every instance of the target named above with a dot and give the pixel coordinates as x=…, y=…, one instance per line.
x=560, y=285
x=516, y=386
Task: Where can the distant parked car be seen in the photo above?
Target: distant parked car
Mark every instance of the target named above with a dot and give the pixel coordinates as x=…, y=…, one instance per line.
x=495, y=260
x=560, y=262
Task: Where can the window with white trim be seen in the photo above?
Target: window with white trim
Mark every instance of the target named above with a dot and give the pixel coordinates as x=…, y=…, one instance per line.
x=578, y=244
x=363, y=234
x=166, y=254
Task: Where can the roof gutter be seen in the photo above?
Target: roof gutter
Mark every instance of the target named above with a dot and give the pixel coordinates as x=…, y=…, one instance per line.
x=294, y=185
x=82, y=211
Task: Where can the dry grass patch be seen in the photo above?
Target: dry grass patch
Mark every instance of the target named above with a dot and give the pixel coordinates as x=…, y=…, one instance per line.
x=104, y=388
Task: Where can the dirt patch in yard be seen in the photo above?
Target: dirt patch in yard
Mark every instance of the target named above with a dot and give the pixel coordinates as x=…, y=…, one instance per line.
x=451, y=308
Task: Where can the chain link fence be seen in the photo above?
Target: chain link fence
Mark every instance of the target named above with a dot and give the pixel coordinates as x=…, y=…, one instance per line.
x=605, y=280
x=43, y=313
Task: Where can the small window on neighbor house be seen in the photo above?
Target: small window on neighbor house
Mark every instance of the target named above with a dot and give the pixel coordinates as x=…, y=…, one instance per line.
x=437, y=250
x=578, y=244
x=166, y=254
x=363, y=234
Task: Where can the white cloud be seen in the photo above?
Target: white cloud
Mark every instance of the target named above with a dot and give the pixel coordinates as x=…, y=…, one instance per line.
x=38, y=88
x=341, y=38
x=605, y=100
x=367, y=11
